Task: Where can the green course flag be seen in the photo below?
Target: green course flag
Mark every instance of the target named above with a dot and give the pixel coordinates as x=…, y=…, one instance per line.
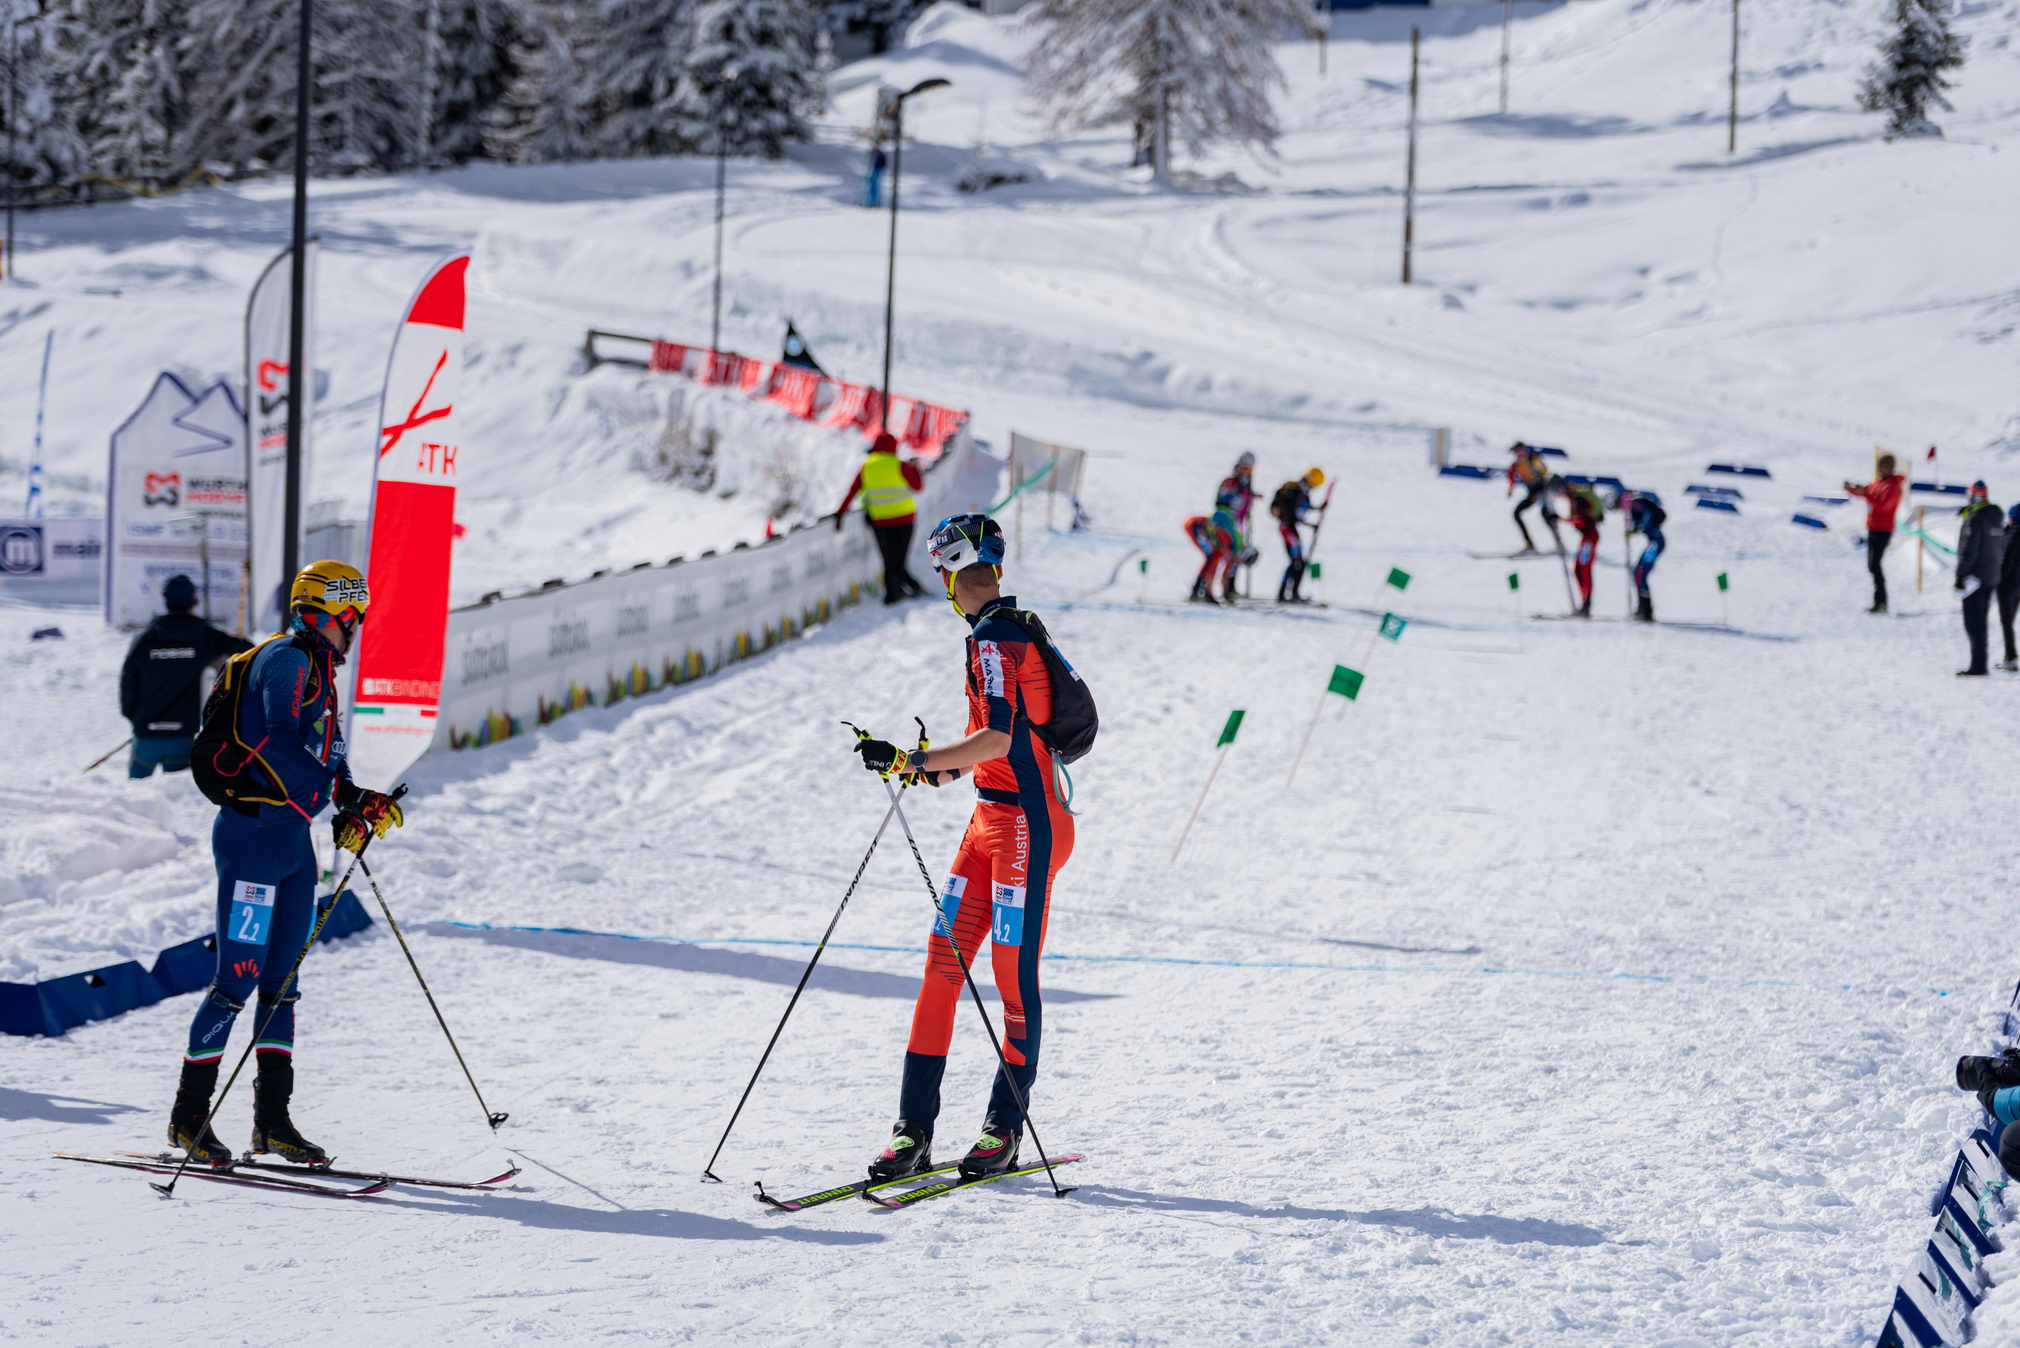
x=1231, y=729
x=1721, y=582
x=1143, y=566
x=1514, y=581
x=1312, y=570
x=1392, y=626
x=1346, y=682
x=1399, y=578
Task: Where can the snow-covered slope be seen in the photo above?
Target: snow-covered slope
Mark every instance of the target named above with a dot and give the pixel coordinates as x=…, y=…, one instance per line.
x=1595, y=984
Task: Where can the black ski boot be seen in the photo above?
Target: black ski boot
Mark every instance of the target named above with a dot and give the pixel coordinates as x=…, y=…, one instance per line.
x=993, y=1153
x=189, y=1120
x=909, y=1151
x=1644, y=612
x=1201, y=594
x=273, y=1132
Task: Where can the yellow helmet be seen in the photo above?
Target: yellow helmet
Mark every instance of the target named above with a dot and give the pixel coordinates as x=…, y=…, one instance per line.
x=1315, y=477
x=331, y=587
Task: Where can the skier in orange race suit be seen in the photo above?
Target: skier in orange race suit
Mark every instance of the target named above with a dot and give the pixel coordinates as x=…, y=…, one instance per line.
x=1001, y=880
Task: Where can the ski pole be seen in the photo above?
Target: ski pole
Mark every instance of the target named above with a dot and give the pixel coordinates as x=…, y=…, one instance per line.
x=493, y=1119
x=168, y=1190
x=110, y=752
x=708, y=1171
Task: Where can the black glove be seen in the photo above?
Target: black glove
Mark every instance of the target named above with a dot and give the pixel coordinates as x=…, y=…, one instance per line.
x=881, y=756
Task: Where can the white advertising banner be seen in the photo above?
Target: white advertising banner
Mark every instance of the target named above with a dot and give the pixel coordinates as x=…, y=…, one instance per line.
x=52, y=561
x=266, y=439
x=516, y=663
x=175, y=502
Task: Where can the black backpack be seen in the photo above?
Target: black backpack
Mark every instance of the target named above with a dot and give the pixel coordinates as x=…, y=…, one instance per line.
x=228, y=771
x=1071, y=731
x=1287, y=500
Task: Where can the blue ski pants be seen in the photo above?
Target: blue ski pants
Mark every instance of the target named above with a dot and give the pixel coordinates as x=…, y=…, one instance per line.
x=266, y=907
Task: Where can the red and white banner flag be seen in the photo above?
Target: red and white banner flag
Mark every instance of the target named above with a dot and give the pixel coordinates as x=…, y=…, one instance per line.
x=413, y=523
x=266, y=408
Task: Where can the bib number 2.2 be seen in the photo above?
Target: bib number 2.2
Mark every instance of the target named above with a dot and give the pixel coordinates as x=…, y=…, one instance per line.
x=252, y=912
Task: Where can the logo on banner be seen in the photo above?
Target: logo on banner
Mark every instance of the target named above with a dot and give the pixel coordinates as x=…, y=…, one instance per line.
x=162, y=489
x=431, y=457
x=21, y=550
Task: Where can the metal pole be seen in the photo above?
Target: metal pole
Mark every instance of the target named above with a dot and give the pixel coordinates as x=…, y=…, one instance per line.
x=291, y=513
x=1732, y=103
x=1410, y=170
x=891, y=259
x=721, y=169
x=13, y=60
x=1507, y=14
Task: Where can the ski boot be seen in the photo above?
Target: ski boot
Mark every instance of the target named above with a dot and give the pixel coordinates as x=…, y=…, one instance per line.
x=909, y=1151
x=189, y=1120
x=1644, y=612
x=1201, y=594
x=273, y=1132
x=2010, y=666
x=993, y=1153
x=1879, y=606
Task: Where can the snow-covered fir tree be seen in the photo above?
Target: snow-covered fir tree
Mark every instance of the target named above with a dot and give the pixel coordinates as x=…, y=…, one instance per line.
x=127, y=84
x=1908, y=78
x=545, y=114
x=475, y=47
x=883, y=21
x=753, y=75
x=43, y=144
x=631, y=55
x=1194, y=72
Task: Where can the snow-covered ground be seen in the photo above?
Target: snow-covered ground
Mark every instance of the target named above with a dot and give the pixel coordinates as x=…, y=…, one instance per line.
x=1594, y=984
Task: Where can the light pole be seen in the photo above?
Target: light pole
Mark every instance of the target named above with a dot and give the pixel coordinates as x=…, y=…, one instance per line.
x=13, y=60
x=298, y=275
x=721, y=170
x=891, y=261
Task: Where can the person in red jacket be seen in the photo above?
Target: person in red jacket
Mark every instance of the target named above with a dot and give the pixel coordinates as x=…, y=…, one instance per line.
x=1883, y=504
x=887, y=483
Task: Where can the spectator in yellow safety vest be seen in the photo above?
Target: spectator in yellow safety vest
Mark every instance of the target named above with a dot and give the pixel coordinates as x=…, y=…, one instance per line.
x=886, y=483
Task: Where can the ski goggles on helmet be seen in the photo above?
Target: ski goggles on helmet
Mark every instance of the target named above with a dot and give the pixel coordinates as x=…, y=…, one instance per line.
x=962, y=541
x=350, y=618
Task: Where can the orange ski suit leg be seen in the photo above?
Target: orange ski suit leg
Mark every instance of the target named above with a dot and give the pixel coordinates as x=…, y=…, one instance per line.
x=1000, y=885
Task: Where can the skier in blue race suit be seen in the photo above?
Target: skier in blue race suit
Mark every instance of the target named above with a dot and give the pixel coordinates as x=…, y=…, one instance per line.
x=273, y=757
x=1646, y=518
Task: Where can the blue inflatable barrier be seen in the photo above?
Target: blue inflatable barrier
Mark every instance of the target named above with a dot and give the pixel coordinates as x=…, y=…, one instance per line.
x=1826, y=500
x=62, y=1004
x=1808, y=521
x=1465, y=470
x=1720, y=493
x=1549, y=453
x=1739, y=469
x=1707, y=503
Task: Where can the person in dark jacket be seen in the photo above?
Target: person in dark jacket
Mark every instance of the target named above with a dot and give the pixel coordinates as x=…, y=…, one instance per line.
x=1981, y=547
x=2009, y=587
x=162, y=680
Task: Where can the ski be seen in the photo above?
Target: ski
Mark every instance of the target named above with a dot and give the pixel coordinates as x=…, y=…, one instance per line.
x=940, y=1188
x=246, y=1162
x=229, y=1176
x=1523, y=555
x=814, y=1200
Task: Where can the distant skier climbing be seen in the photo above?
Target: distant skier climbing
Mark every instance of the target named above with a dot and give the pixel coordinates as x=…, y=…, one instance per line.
x=1528, y=470
x=1237, y=495
x=1585, y=514
x=1217, y=537
x=1292, y=507
x=1646, y=518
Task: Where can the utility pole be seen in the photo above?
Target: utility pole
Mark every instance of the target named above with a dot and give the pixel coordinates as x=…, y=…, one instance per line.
x=1410, y=169
x=721, y=172
x=13, y=60
x=1732, y=103
x=891, y=259
x=1507, y=15
x=298, y=278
